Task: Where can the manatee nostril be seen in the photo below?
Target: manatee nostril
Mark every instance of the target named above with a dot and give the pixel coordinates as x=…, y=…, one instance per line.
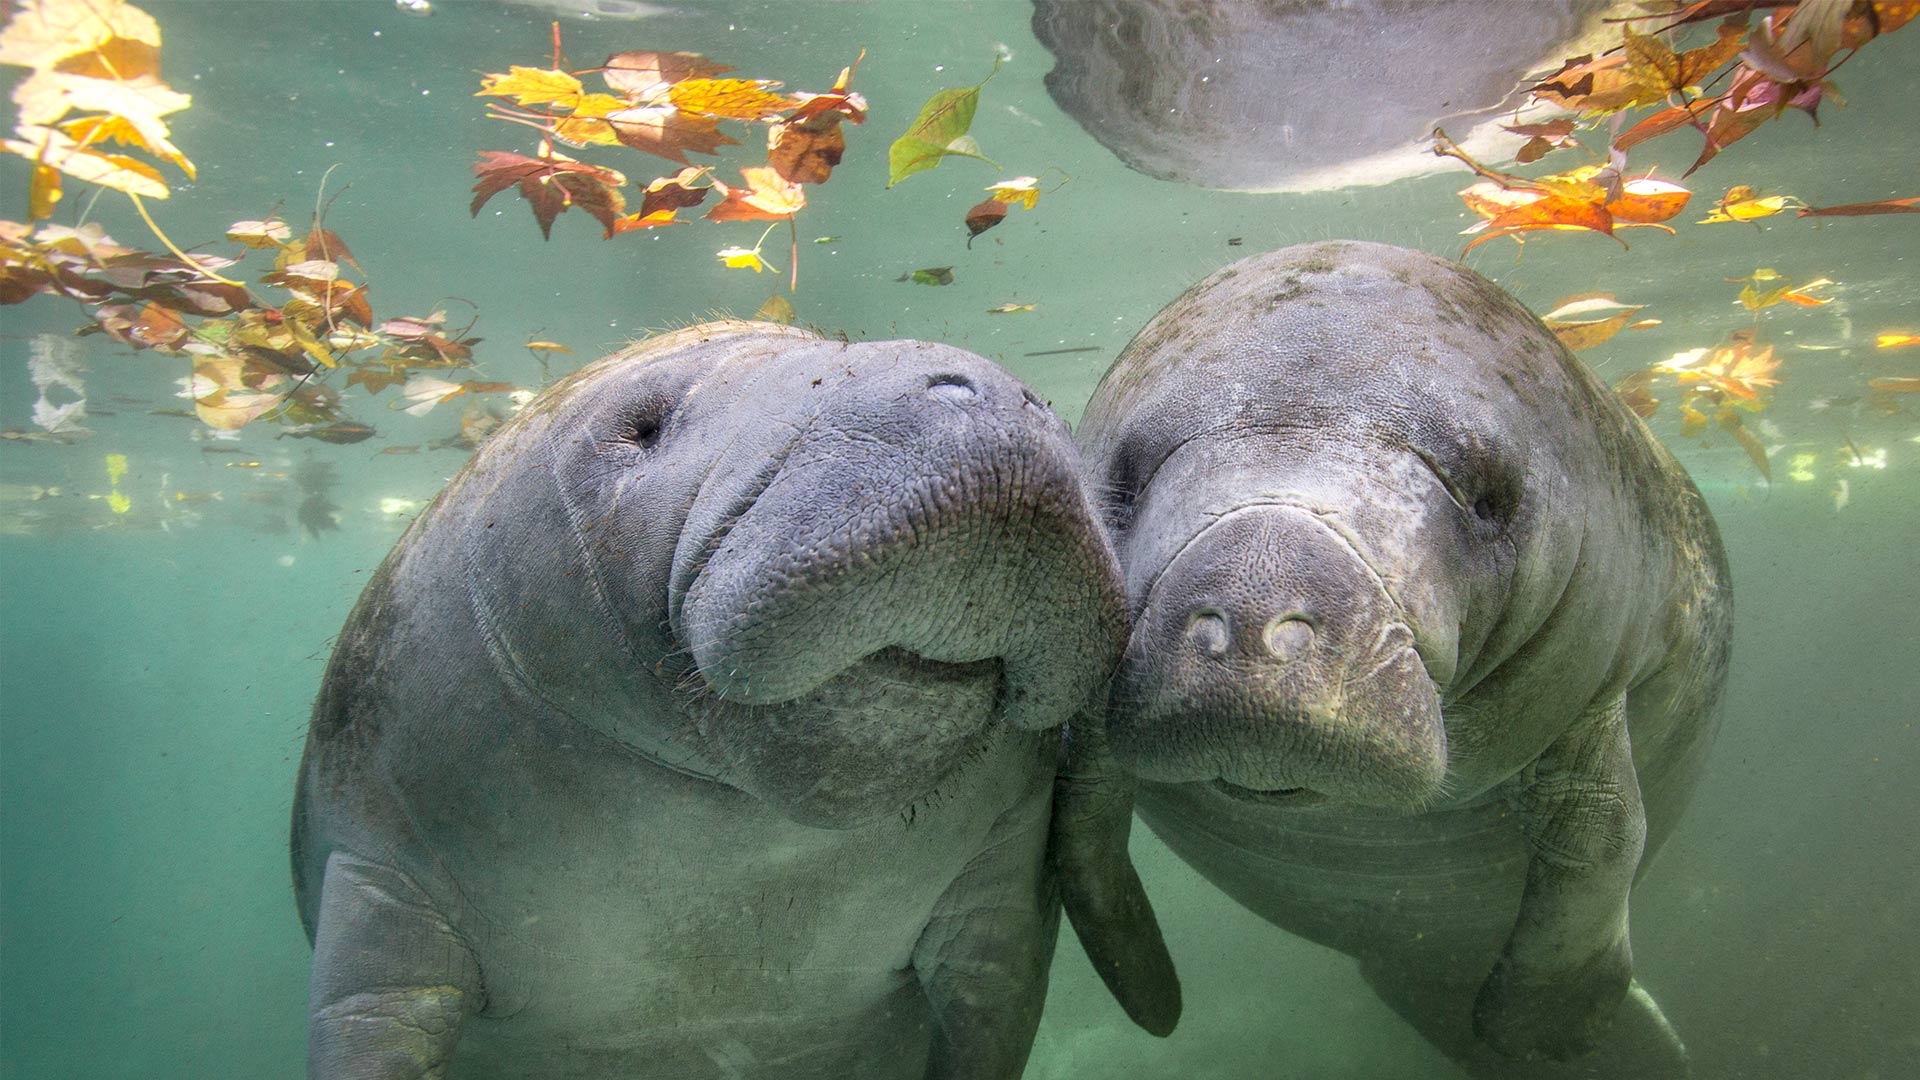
x=955, y=389
x=1034, y=401
x=1207, y=629
x=1288, y=637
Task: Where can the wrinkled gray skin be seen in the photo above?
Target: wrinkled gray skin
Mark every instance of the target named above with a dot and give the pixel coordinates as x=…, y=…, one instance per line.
x=701, y=728
x=1429, y=638
x=1300, y=95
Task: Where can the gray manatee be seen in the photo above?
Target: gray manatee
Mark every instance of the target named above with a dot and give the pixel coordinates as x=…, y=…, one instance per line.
x=1429, y=639
x=701, y=728
x=1301, y=95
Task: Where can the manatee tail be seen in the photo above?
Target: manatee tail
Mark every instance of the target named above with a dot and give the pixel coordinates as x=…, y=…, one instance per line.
x=1109, y=909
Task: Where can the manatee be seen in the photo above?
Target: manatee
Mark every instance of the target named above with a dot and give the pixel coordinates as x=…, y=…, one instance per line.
x=1301, y=95
x=1429, y=638
x=705, y=726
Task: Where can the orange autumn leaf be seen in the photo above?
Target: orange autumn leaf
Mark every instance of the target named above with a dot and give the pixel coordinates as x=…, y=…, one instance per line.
x=1646, y=201
x=637, y=221
x=766, y=197
x=1895, y=339
x=1582, y=322
x=1548, y=212
x=1736, y=368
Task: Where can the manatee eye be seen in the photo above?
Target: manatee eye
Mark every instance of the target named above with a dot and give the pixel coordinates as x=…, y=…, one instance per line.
x=1497, y=504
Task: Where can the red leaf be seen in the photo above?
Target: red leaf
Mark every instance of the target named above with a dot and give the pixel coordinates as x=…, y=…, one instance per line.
x=550, y=185
x=1885, y=206
x=984, y=217
x=324, y=244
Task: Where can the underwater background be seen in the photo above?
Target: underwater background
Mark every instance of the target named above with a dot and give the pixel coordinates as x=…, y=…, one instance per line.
x=157, y=666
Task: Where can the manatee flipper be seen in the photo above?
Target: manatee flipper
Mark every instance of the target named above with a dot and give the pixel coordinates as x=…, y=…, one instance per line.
x=984, y=956
x=1640, y=1043
x=1566, y=967
x=391, y=981
x=1109, y=909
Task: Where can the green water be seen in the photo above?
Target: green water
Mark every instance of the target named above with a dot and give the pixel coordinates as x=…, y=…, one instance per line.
x=155, y=677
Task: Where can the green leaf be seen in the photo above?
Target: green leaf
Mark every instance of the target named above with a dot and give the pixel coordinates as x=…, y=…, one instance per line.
x=933, y=275
x=939, y=131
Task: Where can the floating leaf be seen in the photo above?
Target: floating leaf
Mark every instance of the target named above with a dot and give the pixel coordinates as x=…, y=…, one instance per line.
x=664, y=197
x=260, y=234
x=766, y=197
x=549, y=346
x=1009, y=309
x=776, y=309
x=532, y=86
x=1895, y=339
x=729, y=99
x=1543, y=138
x=1741, y=204
x=641, y=74
x=1766, y=287
x=938, y=132
x=1737, y=368
x=550, y=183
x=423, y=392
x=1886, y=206
x=376, y=378
x=1581, y=322
x=933, y=275
x=983, y=217
x=1895, y=384
x=1024, y=190
x=740, y=258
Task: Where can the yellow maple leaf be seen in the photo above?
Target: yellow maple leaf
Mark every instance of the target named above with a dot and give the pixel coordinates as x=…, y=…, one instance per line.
x=42, y=33
x=53, y=148
x=732, y=99
x=739, y=258
x=531, y=86
x=1024, y=190
x=90, y=130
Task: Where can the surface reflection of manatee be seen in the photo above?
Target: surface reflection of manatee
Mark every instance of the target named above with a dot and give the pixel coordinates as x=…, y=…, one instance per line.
x=1297, y=95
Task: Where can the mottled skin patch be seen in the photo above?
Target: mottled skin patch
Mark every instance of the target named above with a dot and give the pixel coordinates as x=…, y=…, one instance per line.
x=1503, y=616
x=702, y=728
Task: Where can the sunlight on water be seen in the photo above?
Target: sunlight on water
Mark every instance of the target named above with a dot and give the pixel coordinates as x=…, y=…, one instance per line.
x=171, y=593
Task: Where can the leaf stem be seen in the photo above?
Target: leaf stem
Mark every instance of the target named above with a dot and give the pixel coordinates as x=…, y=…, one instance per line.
x=181, y=255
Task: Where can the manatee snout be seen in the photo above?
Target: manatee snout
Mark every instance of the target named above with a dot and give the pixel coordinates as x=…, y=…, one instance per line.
x=1270, y=657
x=927, y=516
